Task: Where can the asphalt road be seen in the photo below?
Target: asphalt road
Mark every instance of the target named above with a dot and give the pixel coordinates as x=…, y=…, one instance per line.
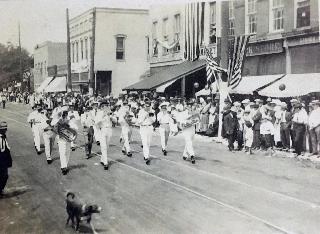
x=222, y=193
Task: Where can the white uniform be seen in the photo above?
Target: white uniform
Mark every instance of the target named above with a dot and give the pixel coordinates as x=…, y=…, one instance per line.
x=64, y=148
x=48, y=137
x=165, y=120
x=188, y=134
x=96, y=130
x=35, y=118
x=126, y=131
x=74, y=120
x=145, y=122
x=104, y=125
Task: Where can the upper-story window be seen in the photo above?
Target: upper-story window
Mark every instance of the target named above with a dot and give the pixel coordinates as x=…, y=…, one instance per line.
x=86, y=48
x=77, y=52
x=277, y=15
x=120, y=39
x=302, y=13
x=154, y=38
x=213, y=23
x=72, y=51
x=81, y=47
x=148, y=46
x=251, y=17
x=165, y=34
x=231, y=18
x=177, y=30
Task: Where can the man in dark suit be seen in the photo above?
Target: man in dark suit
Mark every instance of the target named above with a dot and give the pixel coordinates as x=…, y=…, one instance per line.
x=285, y=126
x=5, y=157
x=230, y=126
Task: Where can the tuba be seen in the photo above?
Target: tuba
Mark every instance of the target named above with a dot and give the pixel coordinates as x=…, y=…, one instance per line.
x=64, y=131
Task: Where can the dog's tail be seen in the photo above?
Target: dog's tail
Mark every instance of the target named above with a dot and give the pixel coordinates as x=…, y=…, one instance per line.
x=70, y=196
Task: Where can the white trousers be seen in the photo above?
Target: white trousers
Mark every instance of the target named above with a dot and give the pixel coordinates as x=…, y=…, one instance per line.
x=48, y=138
x=164, y=131
x=188, y=135
x=64, y=151
x=105, y=136
x=146, y=136
x=36, y=130
x=126, y=133
x=96, y=133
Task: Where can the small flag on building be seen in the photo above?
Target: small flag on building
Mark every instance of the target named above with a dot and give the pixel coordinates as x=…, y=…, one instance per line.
x=212, y=68
x=237, y=52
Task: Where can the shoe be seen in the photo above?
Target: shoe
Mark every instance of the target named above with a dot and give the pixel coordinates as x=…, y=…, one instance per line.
x=87, y=156
x=164, y=152
x=120, y=140
x=106, y=167
x=145, y=159
x=123, y=151
x=73, y=148
x=148, y=161
x=39, y=152
x=184, y=158
x=102, y=163
x=193, y=161
x=49, y=161
x=129, y=154
x=98, y=142
x=64, y=171
x=141, y=146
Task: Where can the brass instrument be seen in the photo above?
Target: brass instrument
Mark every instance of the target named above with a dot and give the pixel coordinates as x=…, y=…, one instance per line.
x=64, y=131
x=191, y=121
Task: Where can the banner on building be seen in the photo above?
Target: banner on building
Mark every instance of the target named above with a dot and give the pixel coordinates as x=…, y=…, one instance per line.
x=194, y=30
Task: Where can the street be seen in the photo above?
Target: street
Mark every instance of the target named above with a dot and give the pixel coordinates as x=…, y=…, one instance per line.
x=223, y=192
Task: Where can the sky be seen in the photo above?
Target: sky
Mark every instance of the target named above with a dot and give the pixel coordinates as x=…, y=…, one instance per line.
x=45, y=20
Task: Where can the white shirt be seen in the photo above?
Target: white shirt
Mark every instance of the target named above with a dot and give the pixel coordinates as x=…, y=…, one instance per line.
x=266, y=127
x=300, y=117
x=103, y=120
x=314, y=118
x=164, y=118
x=87, y=119
x=144, y=119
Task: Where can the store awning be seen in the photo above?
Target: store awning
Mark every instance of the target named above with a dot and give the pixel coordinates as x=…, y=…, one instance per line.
x=294, y=85
x=44, y=84
x=167, y=76
x=249, y=84
x=59, y=84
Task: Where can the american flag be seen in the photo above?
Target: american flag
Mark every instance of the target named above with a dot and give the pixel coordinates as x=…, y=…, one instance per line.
x=211, y=68
x=237, y=52
x=194, y=30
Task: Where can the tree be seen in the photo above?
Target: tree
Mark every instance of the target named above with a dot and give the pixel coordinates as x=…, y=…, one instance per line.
x=10, y=64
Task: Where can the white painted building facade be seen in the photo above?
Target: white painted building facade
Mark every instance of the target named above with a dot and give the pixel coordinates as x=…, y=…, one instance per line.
x=120, y=48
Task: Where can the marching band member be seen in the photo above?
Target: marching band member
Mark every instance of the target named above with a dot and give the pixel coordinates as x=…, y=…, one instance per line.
x=94, y=112
x=63, y=144
x=104, y=125
x=145, y=120
x=48, y=135
x=126, y=118
x=164, y=120
x=187, y=119
x=74, y=118
x=87, y=123
x=34, y=119
x=5, y=157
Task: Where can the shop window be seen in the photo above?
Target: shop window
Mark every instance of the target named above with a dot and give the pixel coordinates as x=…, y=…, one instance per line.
x=86, y=48
x=81, y=46
x=302, y=13
x=177, y=30
x=77, y=52
x=165, y=35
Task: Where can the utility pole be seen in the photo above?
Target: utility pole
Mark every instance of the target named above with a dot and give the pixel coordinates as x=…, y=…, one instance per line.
x=20, y=56
x=92, y=88
x=69, y=82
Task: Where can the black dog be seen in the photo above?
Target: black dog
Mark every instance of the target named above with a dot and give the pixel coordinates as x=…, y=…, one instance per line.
x=77, y=212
